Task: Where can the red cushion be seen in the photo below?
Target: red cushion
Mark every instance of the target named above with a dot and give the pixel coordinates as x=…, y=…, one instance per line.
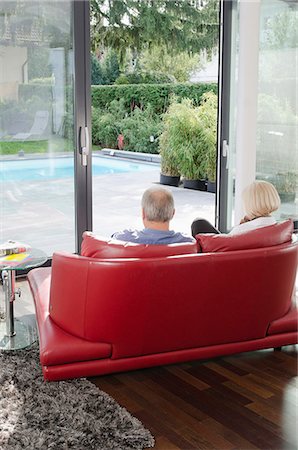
x=276, y=234
x=98, y=247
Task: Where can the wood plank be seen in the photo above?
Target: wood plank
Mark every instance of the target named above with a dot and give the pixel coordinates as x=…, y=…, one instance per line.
x=236, y=439
x=162, y=443
x=242, y=381
x=149, y=400
x=186, y=376
x=179, y=402
x=212, y=437
x=210, y=377
x=162, y=429
x=122, y=397
x=228, y=415
x=239, y=402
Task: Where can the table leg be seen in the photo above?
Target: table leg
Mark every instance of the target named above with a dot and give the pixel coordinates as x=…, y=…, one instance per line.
x=8, y=277
x=14, y=334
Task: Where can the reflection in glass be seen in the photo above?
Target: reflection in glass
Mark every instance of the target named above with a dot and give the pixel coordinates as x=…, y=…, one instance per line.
x=36, y=122
x=277, y=130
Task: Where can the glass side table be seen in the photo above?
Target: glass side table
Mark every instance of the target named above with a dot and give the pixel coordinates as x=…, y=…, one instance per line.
x=15, y=334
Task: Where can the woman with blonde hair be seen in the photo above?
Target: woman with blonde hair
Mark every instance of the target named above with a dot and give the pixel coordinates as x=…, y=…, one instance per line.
x=260, y=199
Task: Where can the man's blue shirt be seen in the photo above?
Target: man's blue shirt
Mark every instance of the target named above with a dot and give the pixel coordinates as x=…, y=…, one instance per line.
x=150, y=236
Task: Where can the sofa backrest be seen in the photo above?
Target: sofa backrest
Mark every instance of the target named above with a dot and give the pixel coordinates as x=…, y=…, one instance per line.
x=163, y=304
x=99, y=247
x=276, y=234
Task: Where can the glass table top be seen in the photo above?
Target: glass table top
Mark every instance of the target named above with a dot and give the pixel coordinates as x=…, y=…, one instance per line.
x=21, y=261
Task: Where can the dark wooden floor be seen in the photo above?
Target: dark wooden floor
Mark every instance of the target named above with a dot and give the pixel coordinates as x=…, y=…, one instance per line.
x=240, y=402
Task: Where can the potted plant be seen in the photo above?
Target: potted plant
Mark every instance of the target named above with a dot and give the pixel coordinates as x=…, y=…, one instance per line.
x=192, y=168
x=170, y=174
x=208, y=115
x=286, y=184
x=180, y=137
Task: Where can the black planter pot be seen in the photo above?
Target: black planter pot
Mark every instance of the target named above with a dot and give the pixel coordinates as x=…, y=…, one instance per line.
x=169, y=180
x=198, y=185
x=211, y=186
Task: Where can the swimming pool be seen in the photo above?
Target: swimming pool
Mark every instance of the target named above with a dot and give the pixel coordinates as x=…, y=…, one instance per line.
x=63, y=167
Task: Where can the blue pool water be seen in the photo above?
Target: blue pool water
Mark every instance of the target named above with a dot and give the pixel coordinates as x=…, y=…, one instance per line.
x=63, y=167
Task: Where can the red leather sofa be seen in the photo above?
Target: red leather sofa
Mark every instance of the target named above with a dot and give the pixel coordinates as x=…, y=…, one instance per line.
x=98, y=315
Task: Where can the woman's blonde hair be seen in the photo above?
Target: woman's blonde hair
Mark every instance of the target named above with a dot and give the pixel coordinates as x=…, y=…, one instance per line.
x=260, y=199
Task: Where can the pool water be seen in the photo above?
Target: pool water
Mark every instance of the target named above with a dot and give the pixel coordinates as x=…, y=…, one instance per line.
x=63, y=167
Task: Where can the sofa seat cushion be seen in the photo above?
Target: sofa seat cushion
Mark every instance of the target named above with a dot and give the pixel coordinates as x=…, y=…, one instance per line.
x=269, y=236
x=99, y=247
x=285, y=324
x=56, y=345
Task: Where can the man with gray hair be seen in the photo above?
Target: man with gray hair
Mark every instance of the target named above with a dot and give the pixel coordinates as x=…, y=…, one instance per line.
x=157, y=212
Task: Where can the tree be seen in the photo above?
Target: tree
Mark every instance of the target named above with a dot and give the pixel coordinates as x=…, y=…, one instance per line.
x=111, y=67
x=97, y=76
x=282, y=30
x=179, y=25
x=180, y=66
x=106, y=71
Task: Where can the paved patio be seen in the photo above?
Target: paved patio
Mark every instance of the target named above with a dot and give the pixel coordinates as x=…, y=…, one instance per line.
x=41, y=213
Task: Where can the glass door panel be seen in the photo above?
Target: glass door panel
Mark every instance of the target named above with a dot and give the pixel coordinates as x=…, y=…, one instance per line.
x=228, y=113
x=277, y=119
x=274, y=156
x=130, y=52
x=37, y=124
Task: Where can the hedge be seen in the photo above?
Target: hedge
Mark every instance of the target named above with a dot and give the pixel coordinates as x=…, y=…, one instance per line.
x=43, y=91
x=158, y=95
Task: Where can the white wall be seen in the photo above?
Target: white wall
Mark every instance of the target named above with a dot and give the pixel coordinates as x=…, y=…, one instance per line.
x=12, y=60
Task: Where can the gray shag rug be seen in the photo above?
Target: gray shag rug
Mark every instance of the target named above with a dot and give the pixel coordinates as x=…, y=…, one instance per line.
x=73, y=414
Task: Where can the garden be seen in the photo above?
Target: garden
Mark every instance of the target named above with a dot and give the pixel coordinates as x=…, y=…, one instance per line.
x=144, y=60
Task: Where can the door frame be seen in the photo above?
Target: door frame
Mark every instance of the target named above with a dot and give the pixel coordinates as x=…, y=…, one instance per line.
x=82, y=120
x=224, y=88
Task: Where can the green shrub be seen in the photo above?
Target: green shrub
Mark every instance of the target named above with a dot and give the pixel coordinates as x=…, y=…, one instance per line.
x=105, y=130
x=117, y=108
x=187, y=136
x=140, y=95
x=19, y=116
x=208, y=116
x=169, y=159
x=122, y=79
x=42, y=81
x=178, y=138
x=137, y=129
x=142, y=77
x=106, y=124
x=42, y=91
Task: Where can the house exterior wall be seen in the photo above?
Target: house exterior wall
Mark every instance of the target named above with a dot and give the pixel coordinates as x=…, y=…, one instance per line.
x=12, y=60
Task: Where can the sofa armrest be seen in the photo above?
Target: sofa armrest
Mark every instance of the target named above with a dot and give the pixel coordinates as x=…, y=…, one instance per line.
x=68, y=294
x=56, y=345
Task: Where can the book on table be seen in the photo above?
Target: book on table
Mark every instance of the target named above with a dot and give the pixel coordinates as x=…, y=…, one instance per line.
x=13, y=260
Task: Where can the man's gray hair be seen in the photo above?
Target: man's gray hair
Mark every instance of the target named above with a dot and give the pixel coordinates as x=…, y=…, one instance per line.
x=158, y=204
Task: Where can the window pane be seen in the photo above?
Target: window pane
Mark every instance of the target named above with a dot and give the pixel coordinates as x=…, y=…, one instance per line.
x=277, y=130
x=36, y=124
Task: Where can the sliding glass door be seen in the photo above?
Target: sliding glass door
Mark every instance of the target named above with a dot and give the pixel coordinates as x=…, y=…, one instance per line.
x=277, y=107
x=259, y=115
x=44, y=125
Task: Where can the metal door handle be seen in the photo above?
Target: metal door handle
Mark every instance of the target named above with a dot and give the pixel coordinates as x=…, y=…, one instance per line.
x=84, y=151
x=225, y=151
